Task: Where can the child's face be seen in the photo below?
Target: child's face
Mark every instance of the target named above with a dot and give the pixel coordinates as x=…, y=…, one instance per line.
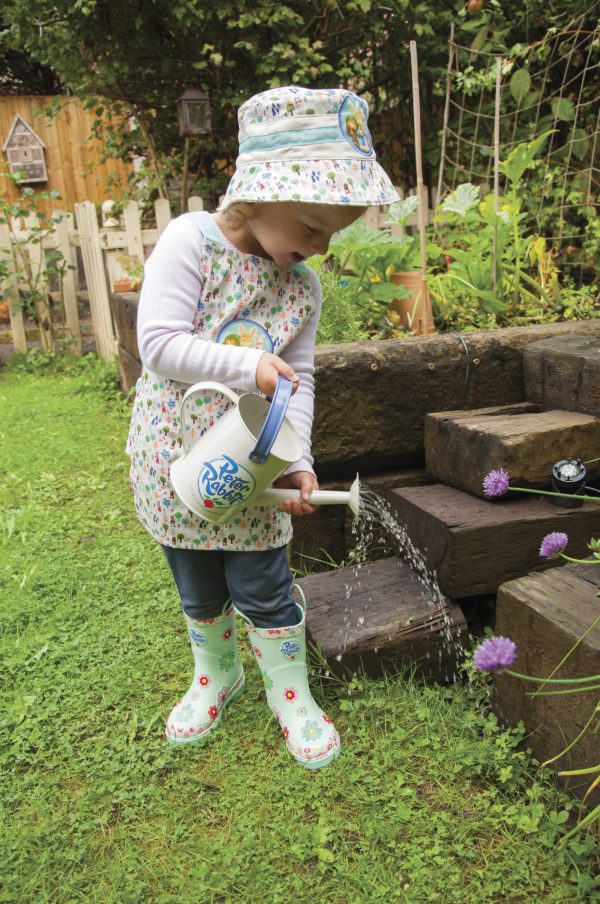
x=289, y=231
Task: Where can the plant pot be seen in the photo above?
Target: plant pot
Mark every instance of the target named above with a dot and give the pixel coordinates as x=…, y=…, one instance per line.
x=414, y=310
x=122, y=285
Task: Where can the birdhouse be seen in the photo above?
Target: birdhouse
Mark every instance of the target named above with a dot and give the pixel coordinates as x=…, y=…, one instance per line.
x=24, y=151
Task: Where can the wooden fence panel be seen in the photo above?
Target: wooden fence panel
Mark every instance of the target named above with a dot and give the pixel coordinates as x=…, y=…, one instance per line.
x=74, y=158
x=69, y=288
x=100, y=249
x=95, y=275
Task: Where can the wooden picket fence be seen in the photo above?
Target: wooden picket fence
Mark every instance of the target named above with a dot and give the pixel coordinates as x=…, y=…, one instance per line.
x=101, y=246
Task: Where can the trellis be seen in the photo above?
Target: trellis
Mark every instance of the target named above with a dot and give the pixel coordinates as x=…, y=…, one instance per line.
x=494, y=102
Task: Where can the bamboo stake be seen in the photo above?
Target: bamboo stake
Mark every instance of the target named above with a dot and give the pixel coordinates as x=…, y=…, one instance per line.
x=445, y=122
x=425, y=305
x=496, y=168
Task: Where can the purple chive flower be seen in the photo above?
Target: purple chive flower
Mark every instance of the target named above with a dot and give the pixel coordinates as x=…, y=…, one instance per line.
x=553, y=544
x=495, y=653
x=496, y=483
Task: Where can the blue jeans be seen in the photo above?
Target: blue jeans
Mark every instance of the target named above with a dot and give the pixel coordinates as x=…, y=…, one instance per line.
x=258, y=583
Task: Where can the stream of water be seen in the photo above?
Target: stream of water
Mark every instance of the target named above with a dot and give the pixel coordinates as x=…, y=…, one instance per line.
x=375, y=524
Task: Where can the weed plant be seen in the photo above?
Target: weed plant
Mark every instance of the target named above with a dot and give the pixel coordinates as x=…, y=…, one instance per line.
x=430, y=800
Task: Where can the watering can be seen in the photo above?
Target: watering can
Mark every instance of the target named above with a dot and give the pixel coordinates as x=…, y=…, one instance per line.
x=235, y=462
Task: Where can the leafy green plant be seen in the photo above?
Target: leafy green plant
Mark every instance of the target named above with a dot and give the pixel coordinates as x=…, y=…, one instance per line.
x=133, y=269
x=526, y=285
x=364, y=259
x=31, y=276
x=340, y=319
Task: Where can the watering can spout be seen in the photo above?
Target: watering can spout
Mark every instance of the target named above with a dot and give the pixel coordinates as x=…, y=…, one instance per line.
x=350, y=497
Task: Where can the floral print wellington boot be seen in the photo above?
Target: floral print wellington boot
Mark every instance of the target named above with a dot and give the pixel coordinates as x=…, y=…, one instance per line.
x=309, y=733
x=218, y=678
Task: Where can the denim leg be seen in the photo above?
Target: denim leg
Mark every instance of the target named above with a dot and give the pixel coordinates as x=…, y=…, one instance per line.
x=260, y=587
x=200, y=578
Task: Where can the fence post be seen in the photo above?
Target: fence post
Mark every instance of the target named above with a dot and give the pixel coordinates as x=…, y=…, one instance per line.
x=93, y=265
x=17, y=323
x=195, y=203
x=69, y=293
x=162, y=211
x=37, y=264
x=133, y=231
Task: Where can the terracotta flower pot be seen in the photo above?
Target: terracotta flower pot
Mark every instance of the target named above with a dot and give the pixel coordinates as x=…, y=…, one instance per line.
x=414, y=310
x=122, y=285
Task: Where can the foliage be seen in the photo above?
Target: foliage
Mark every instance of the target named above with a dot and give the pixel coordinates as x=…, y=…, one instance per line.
x=547, y=84
x=430, y=800
x=31, y=277
x=134, y=60
x=133, y=269
x=363, y=260
x=340, y=320
x=527, y=288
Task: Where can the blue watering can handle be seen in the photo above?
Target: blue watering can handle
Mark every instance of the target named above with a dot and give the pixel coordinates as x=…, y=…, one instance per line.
x=273, y=421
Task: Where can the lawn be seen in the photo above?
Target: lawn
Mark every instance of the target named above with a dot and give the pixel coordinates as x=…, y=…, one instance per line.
x=430, y=800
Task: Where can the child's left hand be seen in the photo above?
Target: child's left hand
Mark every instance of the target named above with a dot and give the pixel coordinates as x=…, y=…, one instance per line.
x=304, y=481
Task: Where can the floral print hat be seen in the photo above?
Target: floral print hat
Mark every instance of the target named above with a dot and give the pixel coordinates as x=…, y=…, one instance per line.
x=300, y=144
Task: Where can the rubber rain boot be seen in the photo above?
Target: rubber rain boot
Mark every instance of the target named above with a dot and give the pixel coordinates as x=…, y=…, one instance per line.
x=218, y=678
x=310, y=735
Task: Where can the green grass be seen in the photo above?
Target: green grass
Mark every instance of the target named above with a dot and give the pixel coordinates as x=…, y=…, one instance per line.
x=429, y=801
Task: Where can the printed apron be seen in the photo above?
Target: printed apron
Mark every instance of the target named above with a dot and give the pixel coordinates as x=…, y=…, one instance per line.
x=246, y=301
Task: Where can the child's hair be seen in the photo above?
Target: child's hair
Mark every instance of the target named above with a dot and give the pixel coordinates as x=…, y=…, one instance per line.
x=237, y=213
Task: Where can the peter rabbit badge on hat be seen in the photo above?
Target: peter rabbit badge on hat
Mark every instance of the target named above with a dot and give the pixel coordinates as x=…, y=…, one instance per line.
x=309, y=145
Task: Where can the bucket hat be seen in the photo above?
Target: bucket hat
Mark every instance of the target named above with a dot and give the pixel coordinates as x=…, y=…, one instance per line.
x=310, y=145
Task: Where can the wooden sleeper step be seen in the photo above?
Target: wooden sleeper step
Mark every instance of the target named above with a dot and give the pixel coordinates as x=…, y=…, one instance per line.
x=385, y=623
x=461, y=447
x=475, y=544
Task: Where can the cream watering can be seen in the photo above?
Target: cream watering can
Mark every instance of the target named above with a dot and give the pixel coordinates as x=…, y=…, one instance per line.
x=234, y=464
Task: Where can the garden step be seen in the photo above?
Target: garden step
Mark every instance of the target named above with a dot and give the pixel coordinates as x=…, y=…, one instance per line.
x=461, y=447
x=564, y=372
x=327, y=536
x=386, y=622
x=475, y=544
x=545, y=614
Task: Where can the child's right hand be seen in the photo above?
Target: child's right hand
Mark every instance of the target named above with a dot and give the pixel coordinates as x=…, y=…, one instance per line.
x=269, y=368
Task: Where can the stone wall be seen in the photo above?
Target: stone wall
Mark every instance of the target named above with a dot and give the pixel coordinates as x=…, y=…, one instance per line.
x=372, y=397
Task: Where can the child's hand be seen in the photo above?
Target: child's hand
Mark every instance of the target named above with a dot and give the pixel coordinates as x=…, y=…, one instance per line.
x=303, y=481
x=269, y=368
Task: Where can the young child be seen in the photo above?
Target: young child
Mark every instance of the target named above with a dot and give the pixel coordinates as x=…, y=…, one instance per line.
x=227, y=297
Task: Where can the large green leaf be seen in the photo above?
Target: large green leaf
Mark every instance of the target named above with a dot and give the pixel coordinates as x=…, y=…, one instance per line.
x=399, y=212
x=520, y=84
x=462, y=199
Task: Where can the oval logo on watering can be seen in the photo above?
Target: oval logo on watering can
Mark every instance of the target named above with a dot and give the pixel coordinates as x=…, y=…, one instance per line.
x=223, y=483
